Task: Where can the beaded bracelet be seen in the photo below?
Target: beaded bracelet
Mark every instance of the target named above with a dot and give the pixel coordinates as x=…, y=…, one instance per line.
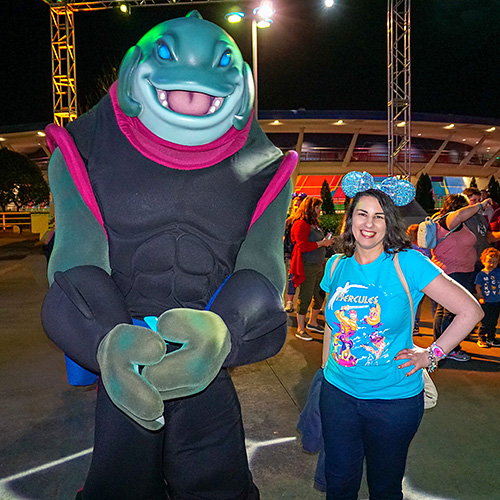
x=438, y=352
x=435, y=354
x=433, y=361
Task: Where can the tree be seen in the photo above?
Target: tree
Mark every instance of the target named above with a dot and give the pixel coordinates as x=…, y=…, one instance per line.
x=494, y=189
x=473, y=183
x=327, y=206
x=21, y=181
x=424, y=194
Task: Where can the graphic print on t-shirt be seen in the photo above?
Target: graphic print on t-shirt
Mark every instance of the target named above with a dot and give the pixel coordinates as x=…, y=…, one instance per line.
x=490, y=285
x=358, y=334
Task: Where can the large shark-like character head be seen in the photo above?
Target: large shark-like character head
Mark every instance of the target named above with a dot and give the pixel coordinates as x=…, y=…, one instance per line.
x=187, y=82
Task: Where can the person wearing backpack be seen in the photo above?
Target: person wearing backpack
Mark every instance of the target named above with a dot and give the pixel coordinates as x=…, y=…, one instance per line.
x=456, y=255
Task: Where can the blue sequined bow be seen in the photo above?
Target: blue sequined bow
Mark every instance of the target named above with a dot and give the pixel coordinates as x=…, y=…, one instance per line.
x=400, y=191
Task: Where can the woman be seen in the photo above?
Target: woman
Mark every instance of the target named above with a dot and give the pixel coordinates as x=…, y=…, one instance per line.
x=371, y=407
x=297, y=199
x=307, y=264
x=456, y=255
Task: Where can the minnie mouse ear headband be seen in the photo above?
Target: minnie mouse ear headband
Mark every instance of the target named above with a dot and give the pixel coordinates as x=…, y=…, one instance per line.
x=300, y=195
x=400, y=191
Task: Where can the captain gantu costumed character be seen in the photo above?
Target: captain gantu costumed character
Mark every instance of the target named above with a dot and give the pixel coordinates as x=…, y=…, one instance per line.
x=168, y=263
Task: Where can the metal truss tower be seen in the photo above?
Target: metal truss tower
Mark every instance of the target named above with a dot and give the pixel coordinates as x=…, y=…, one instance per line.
x=62, y=28
x=398, y=88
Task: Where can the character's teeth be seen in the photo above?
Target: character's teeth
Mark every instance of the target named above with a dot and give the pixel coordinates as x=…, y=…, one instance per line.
x=179, y=98
x=216, y=104
x=162, y=96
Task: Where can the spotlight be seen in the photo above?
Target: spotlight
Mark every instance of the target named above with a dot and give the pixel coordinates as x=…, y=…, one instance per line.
x=235, y=15
x=265, y=10
x=124, y=8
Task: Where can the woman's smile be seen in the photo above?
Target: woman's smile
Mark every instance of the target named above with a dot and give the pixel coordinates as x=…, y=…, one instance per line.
x=368, y=225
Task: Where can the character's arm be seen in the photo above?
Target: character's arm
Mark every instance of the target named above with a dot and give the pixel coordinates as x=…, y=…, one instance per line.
x=83, y=303
x=250, y=302
x=80, y=239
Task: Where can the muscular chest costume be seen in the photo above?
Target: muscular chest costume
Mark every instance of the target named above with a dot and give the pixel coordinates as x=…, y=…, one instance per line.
x=174, y=234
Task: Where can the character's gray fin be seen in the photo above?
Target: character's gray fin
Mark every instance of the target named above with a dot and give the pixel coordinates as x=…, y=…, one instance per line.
x=194, y=13
x=129, y=64
x=247, y=99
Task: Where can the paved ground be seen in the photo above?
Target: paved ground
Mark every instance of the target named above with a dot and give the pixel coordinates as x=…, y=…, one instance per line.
x=46, y=426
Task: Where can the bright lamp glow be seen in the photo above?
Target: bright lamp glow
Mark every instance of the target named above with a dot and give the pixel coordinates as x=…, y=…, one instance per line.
x=265, y=10
x=264, y=23
x=329, y=3
x=235, y=16
x=125, y=8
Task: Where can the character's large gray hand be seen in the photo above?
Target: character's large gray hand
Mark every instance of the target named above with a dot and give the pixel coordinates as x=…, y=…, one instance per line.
x=190, y=369
x=120, y=353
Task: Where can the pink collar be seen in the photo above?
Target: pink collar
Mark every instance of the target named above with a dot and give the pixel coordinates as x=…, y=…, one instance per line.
x=176, y=155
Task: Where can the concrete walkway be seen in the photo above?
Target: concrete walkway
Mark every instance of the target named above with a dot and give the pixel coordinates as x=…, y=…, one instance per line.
x=46, y=426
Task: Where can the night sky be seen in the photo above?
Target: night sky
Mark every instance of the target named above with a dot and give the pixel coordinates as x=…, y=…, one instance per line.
x=312, y=57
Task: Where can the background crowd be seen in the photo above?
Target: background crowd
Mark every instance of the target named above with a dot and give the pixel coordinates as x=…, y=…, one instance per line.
x=468, y=233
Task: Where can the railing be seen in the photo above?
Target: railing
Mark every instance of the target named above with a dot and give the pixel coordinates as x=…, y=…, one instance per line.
x=35, y=221
x=11, y=219
x=367, y=154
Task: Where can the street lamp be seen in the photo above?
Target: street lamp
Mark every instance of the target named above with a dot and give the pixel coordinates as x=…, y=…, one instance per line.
x=261, y=19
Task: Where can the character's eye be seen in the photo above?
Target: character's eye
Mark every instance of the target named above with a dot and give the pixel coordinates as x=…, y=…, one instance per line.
x=164, y=52
x=225, y=59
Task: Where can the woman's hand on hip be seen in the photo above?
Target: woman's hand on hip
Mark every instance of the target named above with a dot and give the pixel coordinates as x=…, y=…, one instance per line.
x=417, y=357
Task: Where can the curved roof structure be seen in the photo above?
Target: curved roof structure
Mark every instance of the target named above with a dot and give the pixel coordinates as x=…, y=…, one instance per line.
x=336, y=142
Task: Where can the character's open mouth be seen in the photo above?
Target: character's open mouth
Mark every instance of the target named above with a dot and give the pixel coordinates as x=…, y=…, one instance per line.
x=189, y=103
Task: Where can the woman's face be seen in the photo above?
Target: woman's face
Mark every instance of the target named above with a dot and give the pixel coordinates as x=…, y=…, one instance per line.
x=368, y=224
x=296, y=202
x=317, y=210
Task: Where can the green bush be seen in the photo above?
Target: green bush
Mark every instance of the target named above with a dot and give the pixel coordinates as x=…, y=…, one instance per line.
x=330, y=223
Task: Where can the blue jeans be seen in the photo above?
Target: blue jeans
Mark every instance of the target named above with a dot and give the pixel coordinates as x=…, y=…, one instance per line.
x=443, y=317
x=488, y=328
x=379, y=430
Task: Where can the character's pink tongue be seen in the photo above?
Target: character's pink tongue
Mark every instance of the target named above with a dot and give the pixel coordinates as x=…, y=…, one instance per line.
x=189, y=103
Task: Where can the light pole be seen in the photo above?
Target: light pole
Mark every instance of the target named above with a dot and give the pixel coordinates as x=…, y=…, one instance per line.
x=261, y=19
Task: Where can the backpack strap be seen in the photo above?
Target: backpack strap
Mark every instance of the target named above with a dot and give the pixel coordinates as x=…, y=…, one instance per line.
x=449, y=230
x=334, y=265
x=405, y=285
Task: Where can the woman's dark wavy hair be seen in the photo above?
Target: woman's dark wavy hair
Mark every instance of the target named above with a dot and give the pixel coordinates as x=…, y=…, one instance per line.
x=453, y=202
x=306, y=210
x=395, y=238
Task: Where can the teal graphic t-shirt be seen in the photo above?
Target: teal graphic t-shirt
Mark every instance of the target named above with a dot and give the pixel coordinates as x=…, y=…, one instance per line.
x=370, y=316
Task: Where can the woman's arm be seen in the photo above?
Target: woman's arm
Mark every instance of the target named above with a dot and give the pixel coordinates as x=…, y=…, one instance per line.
x=300, y=235
x=453, y=219
x=457, y=300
